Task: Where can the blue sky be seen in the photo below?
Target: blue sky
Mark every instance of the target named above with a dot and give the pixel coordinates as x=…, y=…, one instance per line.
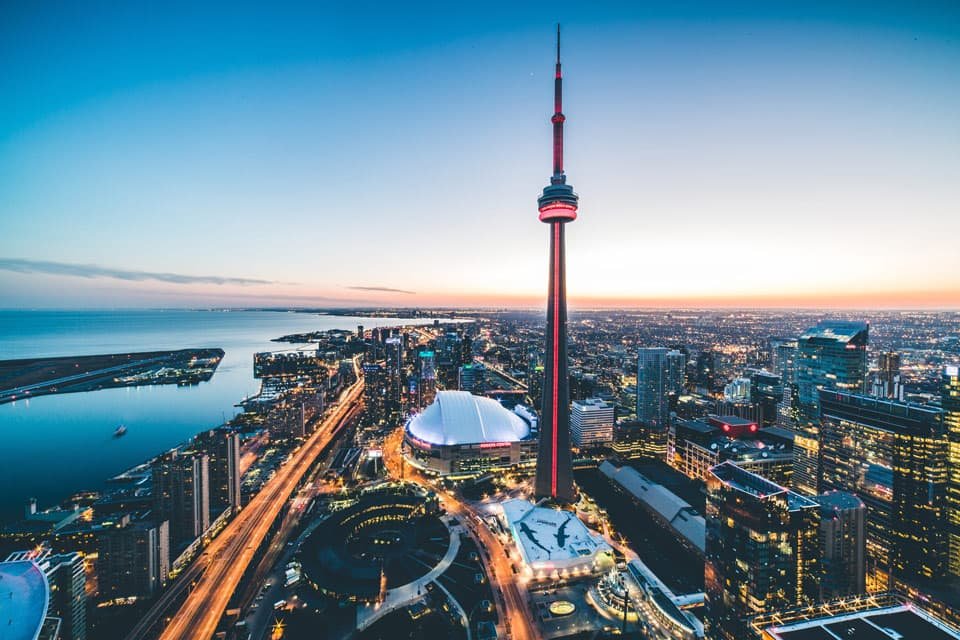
x=353, y=153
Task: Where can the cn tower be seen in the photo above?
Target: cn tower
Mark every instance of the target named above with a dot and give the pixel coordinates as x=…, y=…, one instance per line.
x=558, y=206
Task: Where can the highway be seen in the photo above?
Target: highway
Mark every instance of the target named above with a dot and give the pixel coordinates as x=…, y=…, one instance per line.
x=216, y=575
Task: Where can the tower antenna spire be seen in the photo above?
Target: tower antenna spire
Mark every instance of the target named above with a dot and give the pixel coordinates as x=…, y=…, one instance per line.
x=557, y=120
x=558, y=44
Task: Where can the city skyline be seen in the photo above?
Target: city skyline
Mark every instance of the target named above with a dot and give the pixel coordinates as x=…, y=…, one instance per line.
x=743, y=156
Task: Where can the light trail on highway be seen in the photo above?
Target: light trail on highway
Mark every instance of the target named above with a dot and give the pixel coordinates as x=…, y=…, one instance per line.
x=229, y=555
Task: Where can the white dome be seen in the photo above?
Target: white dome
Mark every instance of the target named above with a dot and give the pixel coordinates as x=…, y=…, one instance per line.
x=459, y=417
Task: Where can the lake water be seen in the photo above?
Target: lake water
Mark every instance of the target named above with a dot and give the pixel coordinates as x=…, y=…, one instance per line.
x=53, y=446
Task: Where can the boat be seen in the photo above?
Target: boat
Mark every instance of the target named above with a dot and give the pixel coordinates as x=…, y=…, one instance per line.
x=121, y=430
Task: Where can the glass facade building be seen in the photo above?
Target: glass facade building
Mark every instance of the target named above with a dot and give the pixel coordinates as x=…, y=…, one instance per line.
x=950, y=401
x=653, y=402
x=831, y=355
x=762, y=550
x=893, y=456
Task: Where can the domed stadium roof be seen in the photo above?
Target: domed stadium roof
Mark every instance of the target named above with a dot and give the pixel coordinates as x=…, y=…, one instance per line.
x=459, y=417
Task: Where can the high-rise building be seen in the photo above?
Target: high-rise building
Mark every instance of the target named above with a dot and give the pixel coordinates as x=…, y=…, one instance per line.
x=783, y=353
x=471, y=378
x=639, y=441
x=762, y=550
x=831, y=355
x=889, y=374
x=395, y=375
x=374, y=394
x=557, y=206
x=842, y=544
x=950, y=401
x=893, y=456
x=181, y=494
x=67, y=583
x=676, y=372
x=222, y=448
x=133, y=559
x=591, y=422
x=427, y=388
x=653, y=404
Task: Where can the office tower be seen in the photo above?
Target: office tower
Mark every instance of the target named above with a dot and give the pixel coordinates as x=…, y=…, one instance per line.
x=783, y=352
x=889, y=373
x=893, y=456
x=652, y=399
x=449, y=353
x=842, y=544
x=738, y=390
x=831, y=355
x=181, y=494
x=535, y=383
x=67, y=581
x=427, y=388
x=591, y=422
x=557, y=206
x=394, y=369
x=676, y=372
x=222, y=448
x=706, y=371
x=766, y=392
x=374, y=394
x=471, y=378
x=638, y=441
x=133, y=559
x=761, y=550
x=950, y=401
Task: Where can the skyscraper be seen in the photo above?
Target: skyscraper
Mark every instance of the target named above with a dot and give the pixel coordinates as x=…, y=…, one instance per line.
x=557, y=206
x=762, y=550
x=133, y=559
x=842, y=544
x=950, y=401
x=222, y=448
x=831, y=355
x=428, y=379
x=889, y=373
x=653, y=405
x=181, y=494
x=893, y=456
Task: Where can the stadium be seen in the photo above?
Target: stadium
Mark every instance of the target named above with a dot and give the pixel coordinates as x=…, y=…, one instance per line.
x=462, y=435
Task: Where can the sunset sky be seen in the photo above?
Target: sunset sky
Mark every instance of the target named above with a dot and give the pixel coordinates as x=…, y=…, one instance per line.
x=726, y=154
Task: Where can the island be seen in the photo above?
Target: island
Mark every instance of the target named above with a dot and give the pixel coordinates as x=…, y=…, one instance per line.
x=31, y=377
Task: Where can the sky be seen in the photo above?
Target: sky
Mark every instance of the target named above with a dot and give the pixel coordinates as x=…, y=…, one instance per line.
x=767, y=154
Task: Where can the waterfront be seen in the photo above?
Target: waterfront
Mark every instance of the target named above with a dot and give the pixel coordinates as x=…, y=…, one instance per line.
x=57, y=445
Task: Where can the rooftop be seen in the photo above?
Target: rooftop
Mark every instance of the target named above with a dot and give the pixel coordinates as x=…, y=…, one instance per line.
x=670, y=507
x=459, y=417
x=836, y=500
x=839, y=330
x=24, y=596
x=758, y=486
x=553, y=536
x=891, y=623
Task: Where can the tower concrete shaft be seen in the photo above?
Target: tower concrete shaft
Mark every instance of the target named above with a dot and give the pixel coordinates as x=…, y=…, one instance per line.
x=557, y=206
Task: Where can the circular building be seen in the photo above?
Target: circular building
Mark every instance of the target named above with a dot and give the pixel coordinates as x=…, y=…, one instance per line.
x=463, y=435
x=385, y=537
